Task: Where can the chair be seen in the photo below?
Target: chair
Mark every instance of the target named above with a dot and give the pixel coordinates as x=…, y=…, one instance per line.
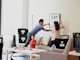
x=22, y=33
x=22, y=36
x=57, y=55
x=1, y=47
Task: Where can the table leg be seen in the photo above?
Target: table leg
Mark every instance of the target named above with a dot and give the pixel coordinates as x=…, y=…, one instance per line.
x=7, y=54
x=11, y=56
x=31, y=56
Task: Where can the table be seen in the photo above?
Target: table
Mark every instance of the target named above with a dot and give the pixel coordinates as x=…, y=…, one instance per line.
x=74, y=53
x=29, y=52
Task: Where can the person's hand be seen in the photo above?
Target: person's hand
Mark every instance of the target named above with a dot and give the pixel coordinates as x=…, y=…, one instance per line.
x=61, y=24
x=60, y=21
x=52, y=31
x=25, y=48
x=48, y=24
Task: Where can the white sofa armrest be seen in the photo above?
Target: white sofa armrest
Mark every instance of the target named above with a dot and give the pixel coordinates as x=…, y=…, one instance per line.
x=52, y=56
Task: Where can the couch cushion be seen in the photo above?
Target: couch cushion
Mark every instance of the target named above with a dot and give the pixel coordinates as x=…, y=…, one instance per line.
x=38, y=41
x=55, y=50
x=42, y=47
x=45, y=40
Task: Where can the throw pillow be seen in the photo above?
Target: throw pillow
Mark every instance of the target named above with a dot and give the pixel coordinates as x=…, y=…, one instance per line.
x=45, y=40
x=38, y=41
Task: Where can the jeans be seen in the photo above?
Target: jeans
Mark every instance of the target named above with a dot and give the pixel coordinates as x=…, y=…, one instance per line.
x=28, y=39
x=52, y=42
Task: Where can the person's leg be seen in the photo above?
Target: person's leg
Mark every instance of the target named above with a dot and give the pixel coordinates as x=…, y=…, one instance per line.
x=28, y=39
x=52, y=42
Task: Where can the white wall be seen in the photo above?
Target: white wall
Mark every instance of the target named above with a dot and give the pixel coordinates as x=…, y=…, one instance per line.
x=12, y=19
x=15, y=14
x=25, y=13
x=69, y=10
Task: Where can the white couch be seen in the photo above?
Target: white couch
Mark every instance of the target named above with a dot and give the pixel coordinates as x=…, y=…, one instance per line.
x=43, y=39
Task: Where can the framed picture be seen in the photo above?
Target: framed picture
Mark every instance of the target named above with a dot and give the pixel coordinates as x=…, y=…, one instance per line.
x=53, y=17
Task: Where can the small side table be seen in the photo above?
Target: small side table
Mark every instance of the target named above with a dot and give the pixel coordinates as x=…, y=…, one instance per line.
x=74, y=53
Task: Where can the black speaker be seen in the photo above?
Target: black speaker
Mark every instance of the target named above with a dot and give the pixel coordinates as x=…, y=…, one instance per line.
x=14, y=41
x=1, y=47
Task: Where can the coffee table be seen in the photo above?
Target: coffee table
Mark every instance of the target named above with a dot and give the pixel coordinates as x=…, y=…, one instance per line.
x=29, y=52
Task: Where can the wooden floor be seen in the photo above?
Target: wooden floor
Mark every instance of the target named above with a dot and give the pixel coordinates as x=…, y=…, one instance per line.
x=73, y=58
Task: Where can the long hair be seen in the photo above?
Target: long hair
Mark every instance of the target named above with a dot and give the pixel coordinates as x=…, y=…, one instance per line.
x=57, y=25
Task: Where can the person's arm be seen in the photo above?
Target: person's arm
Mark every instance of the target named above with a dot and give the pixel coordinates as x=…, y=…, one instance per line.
x=61, y=24
x=47, y=30
x=46, y=24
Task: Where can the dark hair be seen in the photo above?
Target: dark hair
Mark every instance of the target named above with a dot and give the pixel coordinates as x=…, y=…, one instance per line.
x=57, y=26
x=33, y=35
x=41, y=20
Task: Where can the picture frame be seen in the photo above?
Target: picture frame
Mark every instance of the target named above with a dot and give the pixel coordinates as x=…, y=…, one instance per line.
x=53, y=17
